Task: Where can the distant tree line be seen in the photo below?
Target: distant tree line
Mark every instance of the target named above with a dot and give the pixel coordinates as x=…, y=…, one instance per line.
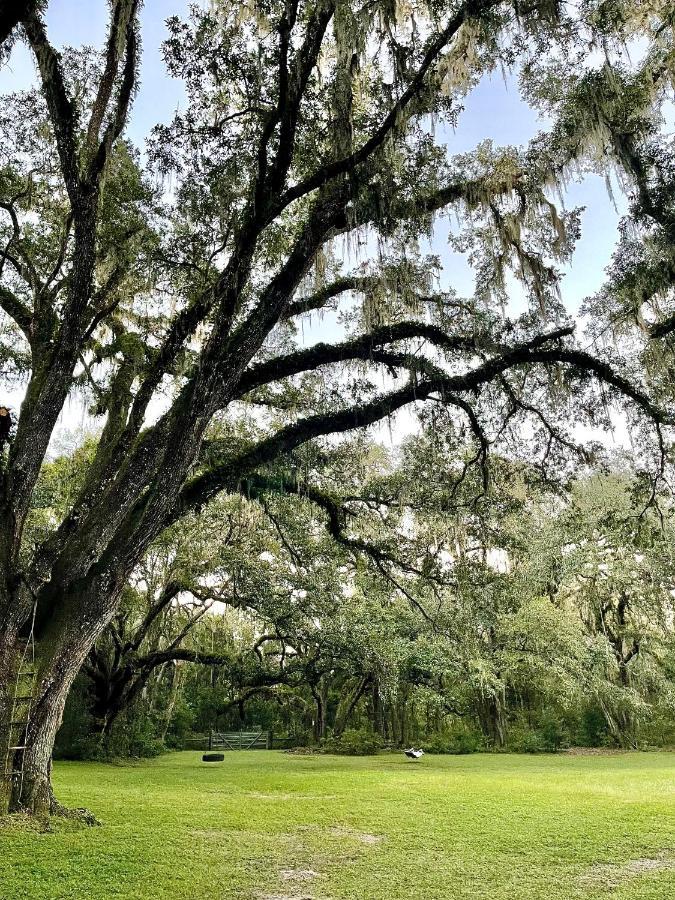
x=538, y=621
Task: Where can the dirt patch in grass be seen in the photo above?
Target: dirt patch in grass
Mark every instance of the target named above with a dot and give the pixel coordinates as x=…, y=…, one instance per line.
x=342, y=831
x=300, y=881
x=293, y=877
x=611, y=875
x=594, y=751
x=366, y=838
x=299, y=875
x=303, y=751
x=285, y=897
x=259, y=795
x=295, y=880
x=363, y=836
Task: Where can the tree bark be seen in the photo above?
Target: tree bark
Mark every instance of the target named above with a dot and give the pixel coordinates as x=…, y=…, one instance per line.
x=491, y=719
x=378, y=717
x=59, y=654
x=348, y=705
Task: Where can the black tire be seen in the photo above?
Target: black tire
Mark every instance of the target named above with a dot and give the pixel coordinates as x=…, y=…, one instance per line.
x=213, y=757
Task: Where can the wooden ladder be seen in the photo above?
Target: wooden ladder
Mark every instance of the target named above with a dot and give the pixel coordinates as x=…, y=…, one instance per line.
x=22, y=700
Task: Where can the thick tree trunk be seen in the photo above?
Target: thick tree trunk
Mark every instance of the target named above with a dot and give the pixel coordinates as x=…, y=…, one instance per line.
x=319, y=719
x=377, y=711
x=348, y=705
x=320, y=695
x=403, y=718
x=31, y=783
x=32, y=789
x=491, y=719
x=113, y=692
x=59, y=654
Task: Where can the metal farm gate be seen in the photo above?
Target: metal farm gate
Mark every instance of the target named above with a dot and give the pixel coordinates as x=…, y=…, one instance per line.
x=240, y=740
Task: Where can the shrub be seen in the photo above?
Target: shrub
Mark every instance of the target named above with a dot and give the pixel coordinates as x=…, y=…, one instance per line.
x=89, y=747
x=548, y=736
x=552, y=733
x=354, y=742
x=524, y=740
x=180, y=728
x=118, y=745
x=592, y=729
x=460, y=738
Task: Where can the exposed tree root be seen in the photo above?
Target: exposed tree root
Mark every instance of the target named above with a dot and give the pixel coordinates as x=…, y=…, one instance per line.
x=40, y=815
x=78, y=814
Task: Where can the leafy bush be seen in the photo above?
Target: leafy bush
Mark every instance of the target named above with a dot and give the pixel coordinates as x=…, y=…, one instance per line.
x=459, y=738
x=143, y=745
x=119, y=745
x=88, y=747
x=180, y=727
x=592, y=729
x=548, y=736
x=552, y=733
x=658, y=730
x=354, y=742
x=130, y=737
x=524, y=740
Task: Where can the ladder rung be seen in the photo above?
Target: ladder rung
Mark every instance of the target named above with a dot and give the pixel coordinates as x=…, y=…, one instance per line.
x=31, y=673
x=24, y=698
x=19, y=747
x=18, y=722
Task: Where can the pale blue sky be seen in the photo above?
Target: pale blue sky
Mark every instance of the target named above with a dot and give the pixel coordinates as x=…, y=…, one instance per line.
x=493, y=110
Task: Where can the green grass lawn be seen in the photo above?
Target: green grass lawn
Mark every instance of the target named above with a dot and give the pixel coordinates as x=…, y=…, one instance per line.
x=267, y=826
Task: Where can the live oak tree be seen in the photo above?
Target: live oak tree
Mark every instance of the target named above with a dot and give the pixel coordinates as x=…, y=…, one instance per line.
x=309, y=130
x=581, y=616
x=294, y=616
x=189, y=571
x=629, y=106
x=616, y=572
x=325, y=627
x=555, y=595
x=273, y=576
x=261, y=595
x=519, y=611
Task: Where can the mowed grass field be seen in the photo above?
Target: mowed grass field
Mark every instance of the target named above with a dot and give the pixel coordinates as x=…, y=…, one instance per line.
x=273, y=826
